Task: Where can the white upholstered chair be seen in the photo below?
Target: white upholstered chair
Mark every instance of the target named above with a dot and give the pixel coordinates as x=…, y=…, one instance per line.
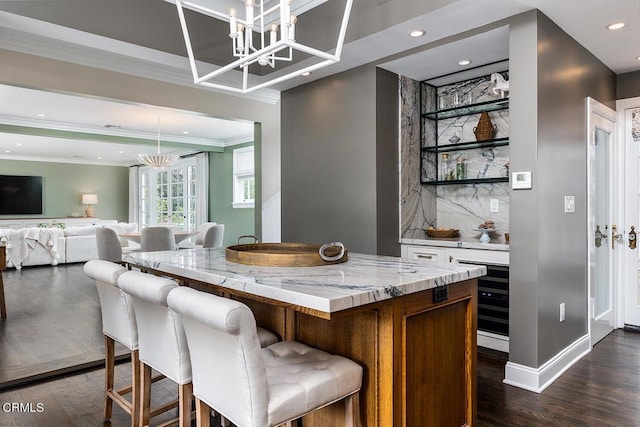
x=214, y=236
x=162, y=341
x=254, y=387
x=157, y=239
x=202, y=231
x=118, y=324
x=109, y=247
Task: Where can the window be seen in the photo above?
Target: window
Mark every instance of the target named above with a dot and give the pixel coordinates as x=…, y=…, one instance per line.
x=168, y=196
x=244, y=181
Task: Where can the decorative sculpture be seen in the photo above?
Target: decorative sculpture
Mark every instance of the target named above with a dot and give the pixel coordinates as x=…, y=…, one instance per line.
x=500, y=83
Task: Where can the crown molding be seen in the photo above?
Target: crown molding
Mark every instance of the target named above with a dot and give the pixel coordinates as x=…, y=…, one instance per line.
x=34, y=37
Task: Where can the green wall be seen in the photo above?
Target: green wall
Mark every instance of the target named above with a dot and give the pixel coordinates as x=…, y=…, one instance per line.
x=64, y=184
x=237, y=222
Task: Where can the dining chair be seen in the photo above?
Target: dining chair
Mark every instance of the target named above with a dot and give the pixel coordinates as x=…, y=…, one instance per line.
x=214, y=236
x=254, y=387
x=202, y=231
x=109, y=246
x=157, y=239
x=162, y=344
x=118, y=324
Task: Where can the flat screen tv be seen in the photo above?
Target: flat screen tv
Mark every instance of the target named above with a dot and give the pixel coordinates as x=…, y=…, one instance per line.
x=20, y=195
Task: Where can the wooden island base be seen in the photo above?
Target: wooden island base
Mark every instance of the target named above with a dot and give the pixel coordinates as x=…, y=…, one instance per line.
x=419, y=356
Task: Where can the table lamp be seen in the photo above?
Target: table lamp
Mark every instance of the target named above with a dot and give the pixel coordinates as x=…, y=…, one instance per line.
x=89, y=200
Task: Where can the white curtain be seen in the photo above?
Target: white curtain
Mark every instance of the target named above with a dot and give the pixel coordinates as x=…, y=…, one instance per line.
x=202, y=190
x=134, y=193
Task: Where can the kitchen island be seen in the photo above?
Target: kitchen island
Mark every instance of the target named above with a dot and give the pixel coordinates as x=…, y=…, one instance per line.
x=412, y=325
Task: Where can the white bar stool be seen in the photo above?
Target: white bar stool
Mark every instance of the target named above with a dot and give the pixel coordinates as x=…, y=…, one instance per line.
x=118, y=324
x=162, y=342
x=254, y=387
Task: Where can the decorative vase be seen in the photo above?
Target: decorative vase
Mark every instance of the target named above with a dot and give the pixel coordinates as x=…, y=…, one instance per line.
x=485, y=130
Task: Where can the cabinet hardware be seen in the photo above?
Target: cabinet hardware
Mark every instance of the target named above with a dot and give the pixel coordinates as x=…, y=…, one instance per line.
x=632, y=238
x=614, y=236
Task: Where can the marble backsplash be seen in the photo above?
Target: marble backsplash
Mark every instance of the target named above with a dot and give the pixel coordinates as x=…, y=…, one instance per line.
x=450, y=206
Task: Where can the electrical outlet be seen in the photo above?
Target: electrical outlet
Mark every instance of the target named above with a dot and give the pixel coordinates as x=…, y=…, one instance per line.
x=495, y=205
x=562, y=312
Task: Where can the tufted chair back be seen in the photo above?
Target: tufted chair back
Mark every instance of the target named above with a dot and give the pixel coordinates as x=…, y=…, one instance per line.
x=118, y=317
x=228, y=369
x=162, y=341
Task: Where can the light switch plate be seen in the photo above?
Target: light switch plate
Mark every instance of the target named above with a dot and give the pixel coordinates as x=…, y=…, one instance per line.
x=495, y=206
x=569, y=204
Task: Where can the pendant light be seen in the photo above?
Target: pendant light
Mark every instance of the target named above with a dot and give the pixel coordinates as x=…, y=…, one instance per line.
x=157, y=160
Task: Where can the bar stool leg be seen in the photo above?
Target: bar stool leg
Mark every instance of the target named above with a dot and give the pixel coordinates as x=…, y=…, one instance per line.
x=185, y=397
x=109, y=362
x=3, y=306
x=135, y=389
x=145, y=394
x=203, y=414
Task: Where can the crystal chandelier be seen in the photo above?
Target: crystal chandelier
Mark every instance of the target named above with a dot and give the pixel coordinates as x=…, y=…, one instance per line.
x=275, y=29
x=157, y=160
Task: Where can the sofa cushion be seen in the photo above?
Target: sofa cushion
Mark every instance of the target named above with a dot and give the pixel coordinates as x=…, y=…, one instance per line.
x=80, y=231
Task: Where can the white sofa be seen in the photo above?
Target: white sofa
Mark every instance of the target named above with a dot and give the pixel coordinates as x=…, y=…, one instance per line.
x=42, y=246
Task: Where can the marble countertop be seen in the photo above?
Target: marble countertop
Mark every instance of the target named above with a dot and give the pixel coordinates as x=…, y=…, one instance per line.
x=459, y=242
x=361, y=280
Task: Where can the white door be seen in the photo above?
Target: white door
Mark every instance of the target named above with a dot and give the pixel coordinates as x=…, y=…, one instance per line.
x=602, y=224
x=629, y=120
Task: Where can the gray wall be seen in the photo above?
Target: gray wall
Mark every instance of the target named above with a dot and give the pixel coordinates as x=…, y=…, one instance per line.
x=549, y=247
x=628, y=85
x=63, y=185
x=339, y=165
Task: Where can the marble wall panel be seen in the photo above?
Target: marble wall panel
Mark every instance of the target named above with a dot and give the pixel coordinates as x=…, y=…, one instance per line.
x=450, y=206
x=417, y=201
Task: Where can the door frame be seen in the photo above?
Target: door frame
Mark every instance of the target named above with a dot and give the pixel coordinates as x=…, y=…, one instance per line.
x=597, y=108
x=621, y=107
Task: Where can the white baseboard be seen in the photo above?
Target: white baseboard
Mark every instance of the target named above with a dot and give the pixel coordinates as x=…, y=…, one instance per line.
x=493, y=341
x=538, y=379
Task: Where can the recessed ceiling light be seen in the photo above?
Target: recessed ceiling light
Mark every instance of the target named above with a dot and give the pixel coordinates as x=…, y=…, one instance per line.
x=306, y=74
x=186, y=132
x=40, y=114
x=7, y=151
x=416, y=33
x=464, y=62
x=638, y=58
x=18, y=143
x=120, y=152
x=99, y=158
x=615, y=26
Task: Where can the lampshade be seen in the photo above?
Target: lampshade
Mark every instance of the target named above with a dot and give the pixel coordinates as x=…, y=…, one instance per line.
x=157, y=160
x=89, y=199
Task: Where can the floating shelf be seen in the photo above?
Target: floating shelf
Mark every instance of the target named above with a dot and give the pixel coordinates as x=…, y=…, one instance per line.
x=465, y=110
x=469, y=181
x=498, y=142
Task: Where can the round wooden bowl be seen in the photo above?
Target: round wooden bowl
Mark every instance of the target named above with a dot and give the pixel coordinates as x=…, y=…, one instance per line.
x=282, y=254
x=443, y=234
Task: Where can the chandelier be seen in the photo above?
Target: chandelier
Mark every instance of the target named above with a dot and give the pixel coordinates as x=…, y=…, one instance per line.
x=157, y=160
x=274, y=23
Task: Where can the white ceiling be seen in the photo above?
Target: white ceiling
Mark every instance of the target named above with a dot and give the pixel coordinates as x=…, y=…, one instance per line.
x=584, y=20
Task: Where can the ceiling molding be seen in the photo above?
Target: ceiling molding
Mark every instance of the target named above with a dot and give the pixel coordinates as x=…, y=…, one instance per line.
x=34, y=37
x=82, y=161
x=123, y=134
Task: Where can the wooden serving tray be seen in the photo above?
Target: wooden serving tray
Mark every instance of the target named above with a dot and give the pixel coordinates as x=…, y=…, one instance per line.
x=282, y=254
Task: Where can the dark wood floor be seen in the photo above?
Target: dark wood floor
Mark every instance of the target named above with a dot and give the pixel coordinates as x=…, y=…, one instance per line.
x=53, y=322
x=602, y=389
